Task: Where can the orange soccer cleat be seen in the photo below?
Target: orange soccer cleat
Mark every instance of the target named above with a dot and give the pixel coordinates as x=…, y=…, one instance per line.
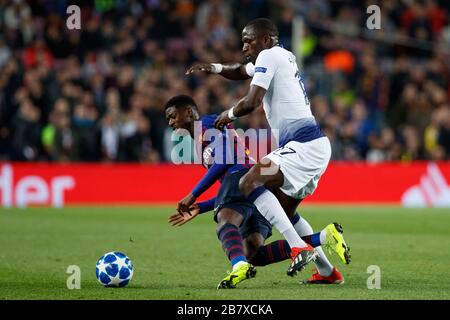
x=334, y=278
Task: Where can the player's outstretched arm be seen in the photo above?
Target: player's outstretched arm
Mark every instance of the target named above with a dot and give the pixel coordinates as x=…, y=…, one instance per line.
x=232, y=71
x=214, y=173
x=178, y=219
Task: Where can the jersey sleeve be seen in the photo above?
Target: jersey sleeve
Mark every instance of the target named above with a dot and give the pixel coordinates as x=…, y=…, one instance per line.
x=206, y=206
x=214, y=173
x=265, y=68
x=250, y=69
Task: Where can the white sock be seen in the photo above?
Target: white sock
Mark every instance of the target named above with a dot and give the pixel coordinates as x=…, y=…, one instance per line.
x=323, y=236
x=238, y=264
x=271, y=209
x=323, y=265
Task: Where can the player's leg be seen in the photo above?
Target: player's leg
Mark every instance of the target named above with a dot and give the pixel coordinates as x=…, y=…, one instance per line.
x=228, y=222
x=325, y=272
x=255, y=186
x=259, y=254
x=303, y=167
x=255, y=230
x=232, y=211
x=264, y=255
x=252, y=243
x=303, y=228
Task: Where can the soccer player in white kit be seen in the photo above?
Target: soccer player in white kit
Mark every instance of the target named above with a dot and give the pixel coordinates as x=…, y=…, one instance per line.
x=281, y=180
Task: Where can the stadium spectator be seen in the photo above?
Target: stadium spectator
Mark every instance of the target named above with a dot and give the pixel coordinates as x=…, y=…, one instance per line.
x=444, y=131
x=128, y=58
x=26, y=132
x=57, y=137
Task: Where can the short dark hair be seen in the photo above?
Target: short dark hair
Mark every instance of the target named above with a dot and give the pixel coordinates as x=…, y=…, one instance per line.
x=264, y=25
x=181, y=100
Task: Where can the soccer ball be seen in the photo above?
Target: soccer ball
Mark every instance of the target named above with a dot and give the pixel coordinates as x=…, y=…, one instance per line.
x=114, y=269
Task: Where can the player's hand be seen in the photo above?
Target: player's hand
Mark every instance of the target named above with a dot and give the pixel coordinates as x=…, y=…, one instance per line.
x=185, y=203
x=177, y=219
x=204, y=67
x=222, y=120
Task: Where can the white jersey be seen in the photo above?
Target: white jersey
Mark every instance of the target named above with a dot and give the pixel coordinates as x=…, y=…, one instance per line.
x=285, y=103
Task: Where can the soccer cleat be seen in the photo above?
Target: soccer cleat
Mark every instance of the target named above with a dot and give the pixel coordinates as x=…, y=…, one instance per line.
x=243, y=272
x=334, y=278
x=300, y=257
x=335, y=241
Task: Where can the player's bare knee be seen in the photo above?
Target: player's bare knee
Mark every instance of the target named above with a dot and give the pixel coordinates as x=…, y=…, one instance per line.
x=221, y=223
x=228, y=216
x=219, y=226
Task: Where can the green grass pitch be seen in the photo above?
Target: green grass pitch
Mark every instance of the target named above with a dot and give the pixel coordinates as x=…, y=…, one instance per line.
x=37, y=245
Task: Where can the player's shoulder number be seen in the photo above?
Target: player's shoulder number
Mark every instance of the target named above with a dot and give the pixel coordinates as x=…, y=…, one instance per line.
x=291, y=59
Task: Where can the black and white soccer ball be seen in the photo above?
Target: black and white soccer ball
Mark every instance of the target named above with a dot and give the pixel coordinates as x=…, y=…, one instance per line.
x=114, y=269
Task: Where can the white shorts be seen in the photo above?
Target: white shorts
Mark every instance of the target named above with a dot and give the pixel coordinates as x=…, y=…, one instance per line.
x=302, y=165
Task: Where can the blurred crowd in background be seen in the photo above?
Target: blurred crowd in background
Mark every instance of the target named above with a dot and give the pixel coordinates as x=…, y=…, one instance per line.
x=97, y=94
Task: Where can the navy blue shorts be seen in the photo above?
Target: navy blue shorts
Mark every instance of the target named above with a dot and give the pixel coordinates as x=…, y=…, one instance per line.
x=229, y=196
